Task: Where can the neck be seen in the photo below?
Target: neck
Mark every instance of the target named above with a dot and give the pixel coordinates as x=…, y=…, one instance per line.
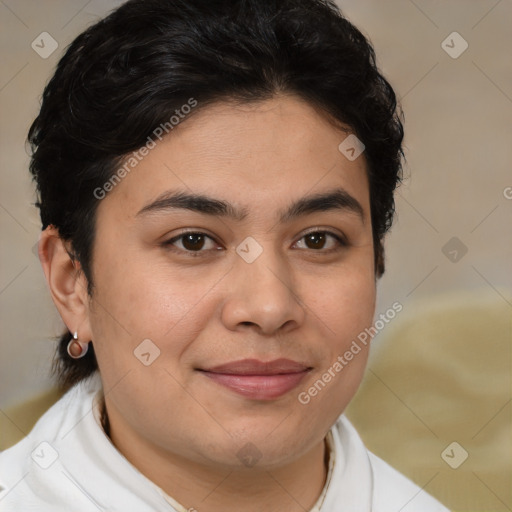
x=294, y=487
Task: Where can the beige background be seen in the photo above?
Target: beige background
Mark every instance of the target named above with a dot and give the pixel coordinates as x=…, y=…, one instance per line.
x=458, y=142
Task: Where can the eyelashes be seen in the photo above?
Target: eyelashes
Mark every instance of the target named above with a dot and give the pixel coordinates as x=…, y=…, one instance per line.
x=191, y=238
x=193, y=243
x=322, y=235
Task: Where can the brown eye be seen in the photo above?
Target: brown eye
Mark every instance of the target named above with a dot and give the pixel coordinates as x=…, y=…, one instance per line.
x=322, y=241
x=315, y=240
x=192, y=244
x=193, y=241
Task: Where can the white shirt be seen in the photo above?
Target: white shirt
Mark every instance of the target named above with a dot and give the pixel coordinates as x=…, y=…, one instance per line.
x=68, y=464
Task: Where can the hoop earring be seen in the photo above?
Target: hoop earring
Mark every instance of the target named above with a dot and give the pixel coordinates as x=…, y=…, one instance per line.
x=77, y=349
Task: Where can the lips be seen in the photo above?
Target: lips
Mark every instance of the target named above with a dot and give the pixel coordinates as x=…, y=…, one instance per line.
x=258, y=380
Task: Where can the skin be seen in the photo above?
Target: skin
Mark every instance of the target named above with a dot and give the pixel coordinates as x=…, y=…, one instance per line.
x=299, y=300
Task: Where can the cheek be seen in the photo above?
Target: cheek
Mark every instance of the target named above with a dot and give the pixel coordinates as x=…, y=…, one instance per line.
x=345, y=307
x=136, y=301
x=344, y=300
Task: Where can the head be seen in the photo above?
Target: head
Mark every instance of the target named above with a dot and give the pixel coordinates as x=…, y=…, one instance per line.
x=185, y=155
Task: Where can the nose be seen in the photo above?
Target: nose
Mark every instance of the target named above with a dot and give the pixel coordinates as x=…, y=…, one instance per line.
x=262, y=295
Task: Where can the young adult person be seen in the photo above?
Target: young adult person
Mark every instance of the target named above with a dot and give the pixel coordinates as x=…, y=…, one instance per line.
x=215, y=182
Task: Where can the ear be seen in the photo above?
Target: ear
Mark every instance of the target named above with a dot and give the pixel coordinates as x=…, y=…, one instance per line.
x=66, y=281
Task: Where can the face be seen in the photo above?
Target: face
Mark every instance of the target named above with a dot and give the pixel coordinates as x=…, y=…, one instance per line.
x=246, y=287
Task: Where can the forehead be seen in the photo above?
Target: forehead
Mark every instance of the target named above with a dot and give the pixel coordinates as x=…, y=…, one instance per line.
x=257, y=153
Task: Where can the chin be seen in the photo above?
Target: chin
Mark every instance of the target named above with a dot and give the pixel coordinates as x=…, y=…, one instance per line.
x=264, y=443
x=253, y=455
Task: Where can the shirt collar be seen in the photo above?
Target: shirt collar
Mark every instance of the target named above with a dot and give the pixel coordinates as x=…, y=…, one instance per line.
x=342, y=444
x=349, y=475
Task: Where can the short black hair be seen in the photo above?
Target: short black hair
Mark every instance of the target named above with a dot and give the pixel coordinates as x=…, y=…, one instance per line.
x=131, y=71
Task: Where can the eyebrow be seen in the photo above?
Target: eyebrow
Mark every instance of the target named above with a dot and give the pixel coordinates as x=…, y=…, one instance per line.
x=337, y=199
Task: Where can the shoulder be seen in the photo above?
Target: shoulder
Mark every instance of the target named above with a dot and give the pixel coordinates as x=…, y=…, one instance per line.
x=31, y=469
x=389, y=489
x=68, y=463
x=392, y=489
x=49, y=428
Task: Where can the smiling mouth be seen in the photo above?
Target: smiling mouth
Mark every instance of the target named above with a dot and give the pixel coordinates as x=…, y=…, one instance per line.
x=258, y=380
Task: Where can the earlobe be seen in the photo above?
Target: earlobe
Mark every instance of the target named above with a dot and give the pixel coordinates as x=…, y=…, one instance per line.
x=66, y=282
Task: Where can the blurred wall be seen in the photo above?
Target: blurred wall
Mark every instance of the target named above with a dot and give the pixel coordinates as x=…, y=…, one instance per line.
x=453, y=228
